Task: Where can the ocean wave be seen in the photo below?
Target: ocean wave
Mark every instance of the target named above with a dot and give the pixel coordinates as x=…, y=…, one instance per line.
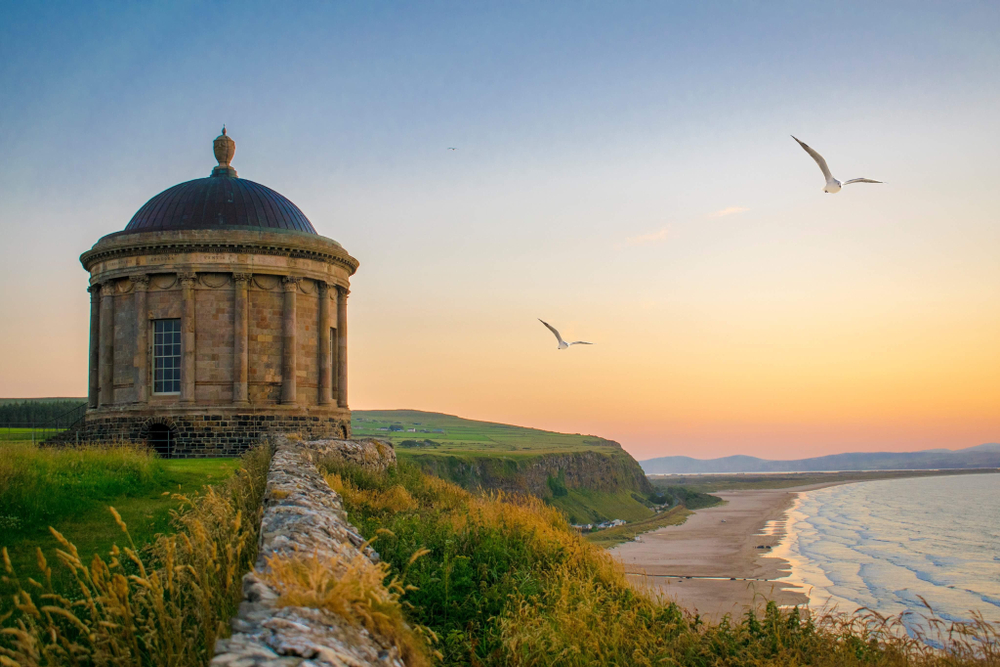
x=890, y=544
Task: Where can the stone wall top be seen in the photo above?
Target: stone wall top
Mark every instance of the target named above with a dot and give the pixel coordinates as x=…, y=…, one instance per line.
x=303, y=516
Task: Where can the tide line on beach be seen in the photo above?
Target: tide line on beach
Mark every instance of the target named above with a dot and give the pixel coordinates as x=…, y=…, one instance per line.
x=721, y=554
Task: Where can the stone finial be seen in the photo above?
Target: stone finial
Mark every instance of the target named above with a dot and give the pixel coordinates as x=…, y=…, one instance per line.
x=225, y=149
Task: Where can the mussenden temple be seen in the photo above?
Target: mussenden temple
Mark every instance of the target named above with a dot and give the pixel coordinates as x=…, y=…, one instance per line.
x=217, y=314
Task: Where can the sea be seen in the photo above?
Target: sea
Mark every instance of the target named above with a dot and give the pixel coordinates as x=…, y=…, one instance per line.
x=892, y=545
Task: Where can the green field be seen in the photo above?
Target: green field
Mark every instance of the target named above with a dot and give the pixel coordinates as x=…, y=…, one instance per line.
x=611, y=536
x=587, y=506
x=454, y=435
x=26, y=435
x=85, y=519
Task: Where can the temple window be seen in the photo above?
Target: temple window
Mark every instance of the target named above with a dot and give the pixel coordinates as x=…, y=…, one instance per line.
x=167, y=356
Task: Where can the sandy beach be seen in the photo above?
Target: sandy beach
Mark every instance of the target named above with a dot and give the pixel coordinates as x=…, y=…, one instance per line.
x=719, y=543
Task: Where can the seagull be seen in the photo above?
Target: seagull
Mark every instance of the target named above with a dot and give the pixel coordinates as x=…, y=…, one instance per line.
x=452, y=149
x=832, y=184
x=562, y=344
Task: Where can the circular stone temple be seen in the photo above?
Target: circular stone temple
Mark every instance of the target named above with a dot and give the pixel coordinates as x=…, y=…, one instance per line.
x=218, y=314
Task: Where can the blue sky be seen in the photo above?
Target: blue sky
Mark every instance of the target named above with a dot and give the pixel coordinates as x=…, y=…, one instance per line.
x=596, y=142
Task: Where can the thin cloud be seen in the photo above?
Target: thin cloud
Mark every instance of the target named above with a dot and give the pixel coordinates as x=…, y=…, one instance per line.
x=646, y=239
x=732, y=210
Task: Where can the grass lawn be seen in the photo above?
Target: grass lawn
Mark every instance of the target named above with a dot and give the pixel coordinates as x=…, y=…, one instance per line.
x=609, y=537
x=24, y=435
x=454, y=435
x=93, y=529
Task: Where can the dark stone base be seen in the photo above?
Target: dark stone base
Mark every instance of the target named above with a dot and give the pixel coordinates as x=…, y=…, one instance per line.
x=209, y=432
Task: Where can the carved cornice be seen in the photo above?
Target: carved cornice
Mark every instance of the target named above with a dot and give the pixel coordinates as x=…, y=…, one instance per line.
x=140, y=282
x=317, y=248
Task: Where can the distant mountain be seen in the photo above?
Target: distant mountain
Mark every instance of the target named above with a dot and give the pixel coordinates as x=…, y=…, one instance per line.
x=980, y=456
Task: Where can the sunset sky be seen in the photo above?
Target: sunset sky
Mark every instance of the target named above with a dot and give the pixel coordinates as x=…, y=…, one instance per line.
x=624, y=171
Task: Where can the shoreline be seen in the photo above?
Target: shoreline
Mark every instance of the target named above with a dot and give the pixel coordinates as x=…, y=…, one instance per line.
x=711, y=565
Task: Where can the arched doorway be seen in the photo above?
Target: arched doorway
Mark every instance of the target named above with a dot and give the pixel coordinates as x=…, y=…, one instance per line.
x=161, y=438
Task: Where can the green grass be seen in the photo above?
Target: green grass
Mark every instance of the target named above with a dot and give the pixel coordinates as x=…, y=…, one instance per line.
x=611, y=536
x=586, y=506
x=504, y=581
x=467, y=435
x=148, y=601
x=39, y=485
x=71, y=490
x=476, y=454
x=26, y=435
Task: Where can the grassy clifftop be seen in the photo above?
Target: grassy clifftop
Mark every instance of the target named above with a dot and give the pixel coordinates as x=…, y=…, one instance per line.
x=588, y=477
x=453, y=435
x=506, y=582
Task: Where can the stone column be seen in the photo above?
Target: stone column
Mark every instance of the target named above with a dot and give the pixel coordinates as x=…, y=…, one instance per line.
x=342, y=293
x=187, y=337
x=289, y=392
x=241, y=319
x=325, y=350
x=139, y=286
x=94, y=378
x=106, y=354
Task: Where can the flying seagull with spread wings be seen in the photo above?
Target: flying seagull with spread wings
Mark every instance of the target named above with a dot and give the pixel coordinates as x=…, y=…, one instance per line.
x=562, y=344
x=832, y=184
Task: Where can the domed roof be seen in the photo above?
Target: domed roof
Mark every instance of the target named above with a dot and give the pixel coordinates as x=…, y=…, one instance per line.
x=219, y=201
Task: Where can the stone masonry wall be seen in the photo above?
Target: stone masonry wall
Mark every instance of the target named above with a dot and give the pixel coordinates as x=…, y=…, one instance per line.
x=214, y=312
x=208, y=432
x=265, y=339
x=124, y=321
x=304, y=517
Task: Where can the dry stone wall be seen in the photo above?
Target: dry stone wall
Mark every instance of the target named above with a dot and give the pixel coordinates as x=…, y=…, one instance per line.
x=303, y=516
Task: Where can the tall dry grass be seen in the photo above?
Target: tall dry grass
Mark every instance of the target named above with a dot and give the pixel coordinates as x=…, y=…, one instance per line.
x=357, y=591
x=163, y=605
x=506, y=582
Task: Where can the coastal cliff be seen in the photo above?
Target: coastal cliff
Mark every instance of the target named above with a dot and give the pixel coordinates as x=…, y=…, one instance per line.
x=542, y=475
x=591, y=479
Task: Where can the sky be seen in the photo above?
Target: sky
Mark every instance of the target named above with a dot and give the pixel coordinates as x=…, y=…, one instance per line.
x=623, y=170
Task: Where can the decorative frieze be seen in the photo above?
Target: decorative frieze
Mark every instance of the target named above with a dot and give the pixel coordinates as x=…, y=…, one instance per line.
x=139, y=282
